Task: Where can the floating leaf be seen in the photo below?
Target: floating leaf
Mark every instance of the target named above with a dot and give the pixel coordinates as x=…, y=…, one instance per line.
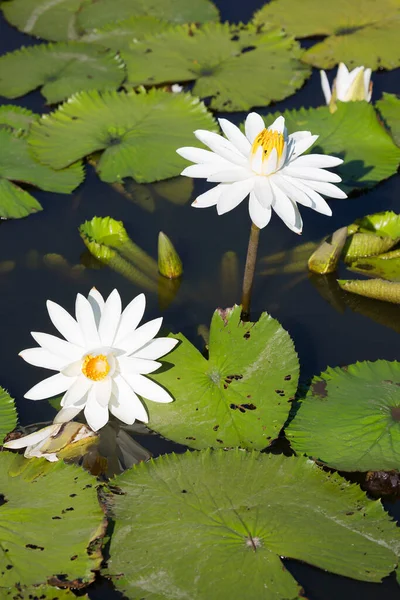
x=234, y=65
x=214, y=524
x=16, y=117
x=359, y=33
x=59, y=69
x=386, y=223
x=379, y=266
x=389, y=107
x=353, y=133
x=388, y=291
x=129, y=127
x=119, y=35
x=48, y=523
x=240, y=396
x=350, y=418
x=40, y=592
x=8, y=414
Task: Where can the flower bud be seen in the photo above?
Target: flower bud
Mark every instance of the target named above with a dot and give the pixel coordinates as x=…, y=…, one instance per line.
x=169, y=263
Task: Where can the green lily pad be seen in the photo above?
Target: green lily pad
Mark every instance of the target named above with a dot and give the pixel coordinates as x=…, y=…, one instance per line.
x=130, y=128
x=353, y=133
x=40, y=592
x=59, y=70
x=378, y=266
x=240, y=396
x=389, y=107
x=233, y=64
x=17, y=118
x=350, y=418
x=121, y=34
x=214, y=524
x=49, y=523
x=8, y=413
x=359, y=33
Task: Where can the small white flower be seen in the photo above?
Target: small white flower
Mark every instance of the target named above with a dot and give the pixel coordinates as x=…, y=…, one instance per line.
x=348, y=85
x=103, y=362
x=46, y=442
x=176, y=88
x=267, y=164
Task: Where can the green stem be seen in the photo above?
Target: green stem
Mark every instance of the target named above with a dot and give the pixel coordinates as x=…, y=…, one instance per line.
x=249, y=269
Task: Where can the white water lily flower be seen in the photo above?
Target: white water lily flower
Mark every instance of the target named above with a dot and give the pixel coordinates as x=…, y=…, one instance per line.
x=347, y=86
x=176, y=88
x=103, y=362
x=46, y=442
x=266, y=164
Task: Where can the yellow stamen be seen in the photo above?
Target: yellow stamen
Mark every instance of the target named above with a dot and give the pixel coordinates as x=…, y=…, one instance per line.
x=268, y=140
x=95, y=368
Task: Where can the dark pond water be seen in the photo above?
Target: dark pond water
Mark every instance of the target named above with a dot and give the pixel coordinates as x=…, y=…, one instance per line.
x=322, y=334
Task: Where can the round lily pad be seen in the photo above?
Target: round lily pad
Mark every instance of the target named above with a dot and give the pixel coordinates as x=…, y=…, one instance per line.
x=49, y=523
x=8, y=413
x=59, y=70
x=350, y=418
x=121, y=34
x=16, y=117
x=40, y=592
x=240, y=396
x=215, y=524
x=359, y=34
x=234, y=65
x=131, y=129
x=389, y=107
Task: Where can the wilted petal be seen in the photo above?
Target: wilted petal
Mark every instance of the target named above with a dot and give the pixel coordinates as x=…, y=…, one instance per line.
x=33, y=438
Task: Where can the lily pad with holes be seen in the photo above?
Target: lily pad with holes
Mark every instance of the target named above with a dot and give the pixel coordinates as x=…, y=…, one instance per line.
x=40, y=592
x=215, y=524
x=121, y=34
x=350, y=418
x=235, y=66
x=8, y=414
x=59, y=70
x=139, y=133
x=240, y=396
x=389, y=108
x=359, y=34
x=354, y=134
x=49, y=523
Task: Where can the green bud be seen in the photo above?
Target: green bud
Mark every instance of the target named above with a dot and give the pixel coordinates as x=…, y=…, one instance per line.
x=326, y=257
x=169, y=263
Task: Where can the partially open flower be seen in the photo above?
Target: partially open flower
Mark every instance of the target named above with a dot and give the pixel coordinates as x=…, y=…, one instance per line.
x=347, y=86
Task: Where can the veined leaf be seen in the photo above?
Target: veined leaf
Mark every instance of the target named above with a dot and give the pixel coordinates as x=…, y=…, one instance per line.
x=8, y=413
x=389, y=107
x=17, y=118
x=120, y=34
x=40, y=592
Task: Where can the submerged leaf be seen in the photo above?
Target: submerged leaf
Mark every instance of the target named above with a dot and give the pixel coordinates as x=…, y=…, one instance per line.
x=240, y=396
x=389, y=107
x=235, y=65
x=389, y=291
x=60, y=70
x=215, y=524
x=130, y=128
x=350, y=418
x=8, y=413
x=359, y=33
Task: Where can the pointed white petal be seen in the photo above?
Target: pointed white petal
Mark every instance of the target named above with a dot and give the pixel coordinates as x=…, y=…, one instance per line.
x=235, y=136
x=125, y=405
x=312, y=173
x=95, y=414
x=141, y=336
x=137, y=365
x=328, y=189
x=67, y=414
x=278, y=125
x=196, y=155
x=342, y=81
x=103, y=391
x=148, y=389
x=367, y=79
x=221, y=146
x=263, y=191
x=85, y=317
x=33, y=438
x=320, y=161
x=259, y=215
x=76, y=393
x=256, y=160
x=204, y=170
x=56, y=384
x=209, y=198
x=56, y=346
x=230, y=175
x=73, y=369
x=65, y=324
x=302, y=194
x=254, y=125
x=110, y=319
x=301, y=145
x=131, y=317
x=96, y=301
x=230, y=198
x=286, y=210
x=39, y=357
x=271, y=164
x=156, y=348
x=326, y=88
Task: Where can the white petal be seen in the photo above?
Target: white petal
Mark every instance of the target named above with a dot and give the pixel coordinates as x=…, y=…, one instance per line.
x=125, y=405
x=57, y=346
x=232, y=196
x=196, y=155
x=103, y=391
x=256, y=160
x=95, y=414
x=65, y=324
x=263, y=191
x=39, y=357
x=56, y=384
x=156, y=348
x=32, y=438
x=131, y=317
x=278, y=125
x=341, y=81
x=301, y=145
x=137, y=365
x=326, y=88
x=271, y=164
x=76, y=393
x=73, y=369
x=141, y=336
x=204, y=170
x=221, y=146
x=303, y=194
x=148, y=389
x=312, y=173
x=254, y=125
x=110, y=319
x=286, y=210
x=209, y=198
x=320, y=161
x=230, y=175
x=85, y=317
x=367, y=78
x=235, y=136
x=96, y=301
x=67, y=414
x=328, y=189
x=259, y=215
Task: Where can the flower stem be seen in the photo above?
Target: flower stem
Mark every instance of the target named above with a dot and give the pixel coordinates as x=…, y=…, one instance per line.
x=249, y=269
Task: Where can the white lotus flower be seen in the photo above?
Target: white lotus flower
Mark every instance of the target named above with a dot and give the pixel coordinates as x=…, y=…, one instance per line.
x=267, y=164
x=46, y=442
x=348, y=85
x=103, y=362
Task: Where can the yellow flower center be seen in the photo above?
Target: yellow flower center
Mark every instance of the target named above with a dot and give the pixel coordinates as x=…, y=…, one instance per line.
x=268, y=140
x=95, y=368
